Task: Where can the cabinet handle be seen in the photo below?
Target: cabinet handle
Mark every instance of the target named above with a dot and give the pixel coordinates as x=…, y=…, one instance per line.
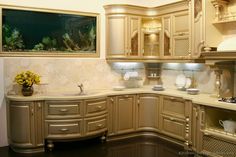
x=39, y=105
x=32, y=111
x=142, y=51
x=138, y=101
x=187, y=119
x=172, y=98
x=64, y=129
x=63, y=110
x=112, y=100
x=99, y=125
x=99, y=107
x=126, y=96
x=207, y=134
x=181, y=34
x=172, y=119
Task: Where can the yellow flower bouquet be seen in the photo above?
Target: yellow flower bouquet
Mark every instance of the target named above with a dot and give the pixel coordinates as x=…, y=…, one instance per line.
x=27, y=80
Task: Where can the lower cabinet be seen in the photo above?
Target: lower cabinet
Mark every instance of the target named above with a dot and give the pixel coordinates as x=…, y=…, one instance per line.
x=25, y=123
x=125, y=114
x=148, y=112
x=173, y=127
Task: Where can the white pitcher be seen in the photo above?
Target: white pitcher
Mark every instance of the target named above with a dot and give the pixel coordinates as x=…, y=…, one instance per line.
x=228, y=125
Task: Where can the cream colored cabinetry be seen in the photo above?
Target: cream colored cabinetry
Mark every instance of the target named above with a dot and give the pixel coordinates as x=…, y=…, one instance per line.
x=176, y=36
x=25, y=126
x=148, y=112
x=122, y=114
x=204, y=33
x=125, y=114
x=123, y=36
x=175, y=118
x=74, y=119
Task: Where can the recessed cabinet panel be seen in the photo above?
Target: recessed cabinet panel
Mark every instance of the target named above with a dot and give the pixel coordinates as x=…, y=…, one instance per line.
x=180, y=23
x=21, y=123
x=125, y=114
x=174, y=106
x=63, y=129
x=63, y=109
x=117, y=35
x=173, y=127
x=148, y=111
x=95, y=125
x=95, y=107
x=181, y=45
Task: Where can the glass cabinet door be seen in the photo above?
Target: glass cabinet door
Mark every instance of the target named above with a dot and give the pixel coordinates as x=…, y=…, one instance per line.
x=134, y=36
x=167, y=36
x=151, y=37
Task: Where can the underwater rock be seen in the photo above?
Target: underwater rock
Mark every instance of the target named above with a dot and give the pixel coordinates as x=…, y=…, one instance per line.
x=12, y=39
x=69, y=43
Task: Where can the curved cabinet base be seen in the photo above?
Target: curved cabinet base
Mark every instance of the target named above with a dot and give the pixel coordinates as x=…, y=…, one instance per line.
x=28, y=150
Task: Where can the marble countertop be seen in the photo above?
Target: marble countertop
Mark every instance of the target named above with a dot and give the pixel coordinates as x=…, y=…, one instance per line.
x=202, y=99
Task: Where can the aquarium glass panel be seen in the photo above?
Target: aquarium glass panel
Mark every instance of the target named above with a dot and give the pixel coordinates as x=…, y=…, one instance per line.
x=32, y=31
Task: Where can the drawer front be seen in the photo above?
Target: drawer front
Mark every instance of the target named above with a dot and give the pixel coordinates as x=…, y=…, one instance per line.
x=63, y=109
x=63, y=129
x=95, y=125
x=95, y=107
x=173, y=127
x=174, y=106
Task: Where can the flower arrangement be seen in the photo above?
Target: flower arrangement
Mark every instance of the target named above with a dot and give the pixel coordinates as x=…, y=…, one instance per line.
x=27, y=79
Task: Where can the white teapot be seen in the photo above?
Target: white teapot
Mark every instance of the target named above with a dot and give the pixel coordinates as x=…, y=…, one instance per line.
x=228, y=125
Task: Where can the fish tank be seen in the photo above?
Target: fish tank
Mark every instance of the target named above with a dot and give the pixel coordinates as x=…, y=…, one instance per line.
x=26, y=31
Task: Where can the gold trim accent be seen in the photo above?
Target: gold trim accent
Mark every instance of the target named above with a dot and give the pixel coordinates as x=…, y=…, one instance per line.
x=56, y=53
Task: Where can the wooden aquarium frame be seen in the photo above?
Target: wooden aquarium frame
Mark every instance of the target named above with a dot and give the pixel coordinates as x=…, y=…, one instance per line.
x=46, y=53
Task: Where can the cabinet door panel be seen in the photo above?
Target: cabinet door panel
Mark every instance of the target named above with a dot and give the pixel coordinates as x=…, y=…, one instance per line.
x=167, y=35
x=21, y=123
x=134, y=30
x=180, y=23
x=125, y=114
x=174, y=106
x=117, y=35
x=173, y=127
x=148, y=110
x=181, y=46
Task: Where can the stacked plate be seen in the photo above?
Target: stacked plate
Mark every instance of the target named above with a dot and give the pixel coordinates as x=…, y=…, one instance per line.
x=158, y=88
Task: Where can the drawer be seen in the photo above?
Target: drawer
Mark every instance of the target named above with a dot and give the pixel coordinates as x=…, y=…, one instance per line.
x=173, y=127
x=175, y=107
x=60, y=129
x=95, y=107
x=95, y=125
x=63, y=109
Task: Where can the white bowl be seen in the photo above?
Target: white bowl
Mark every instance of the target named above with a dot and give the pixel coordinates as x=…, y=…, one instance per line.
x=193, y=91
x=118, y=88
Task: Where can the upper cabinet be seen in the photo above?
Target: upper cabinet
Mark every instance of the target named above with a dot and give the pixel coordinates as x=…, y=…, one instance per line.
x=176, y=36
x=123, y=36
x=151, y=34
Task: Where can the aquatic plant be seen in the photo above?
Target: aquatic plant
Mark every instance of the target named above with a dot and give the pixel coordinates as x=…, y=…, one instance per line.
x=69, y=43
x=49, y=44
x=38, y=47
x=87, y=39
x=46, y=44
x=12, y=39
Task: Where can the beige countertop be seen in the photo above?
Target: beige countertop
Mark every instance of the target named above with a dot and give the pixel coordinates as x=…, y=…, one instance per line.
x=202, y=99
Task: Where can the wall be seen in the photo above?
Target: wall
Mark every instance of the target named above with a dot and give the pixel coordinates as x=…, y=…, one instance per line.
x=3, y=137
x=55, y=65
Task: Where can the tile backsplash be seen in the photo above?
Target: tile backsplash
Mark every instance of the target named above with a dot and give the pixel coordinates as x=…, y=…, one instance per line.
x=60, y=74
